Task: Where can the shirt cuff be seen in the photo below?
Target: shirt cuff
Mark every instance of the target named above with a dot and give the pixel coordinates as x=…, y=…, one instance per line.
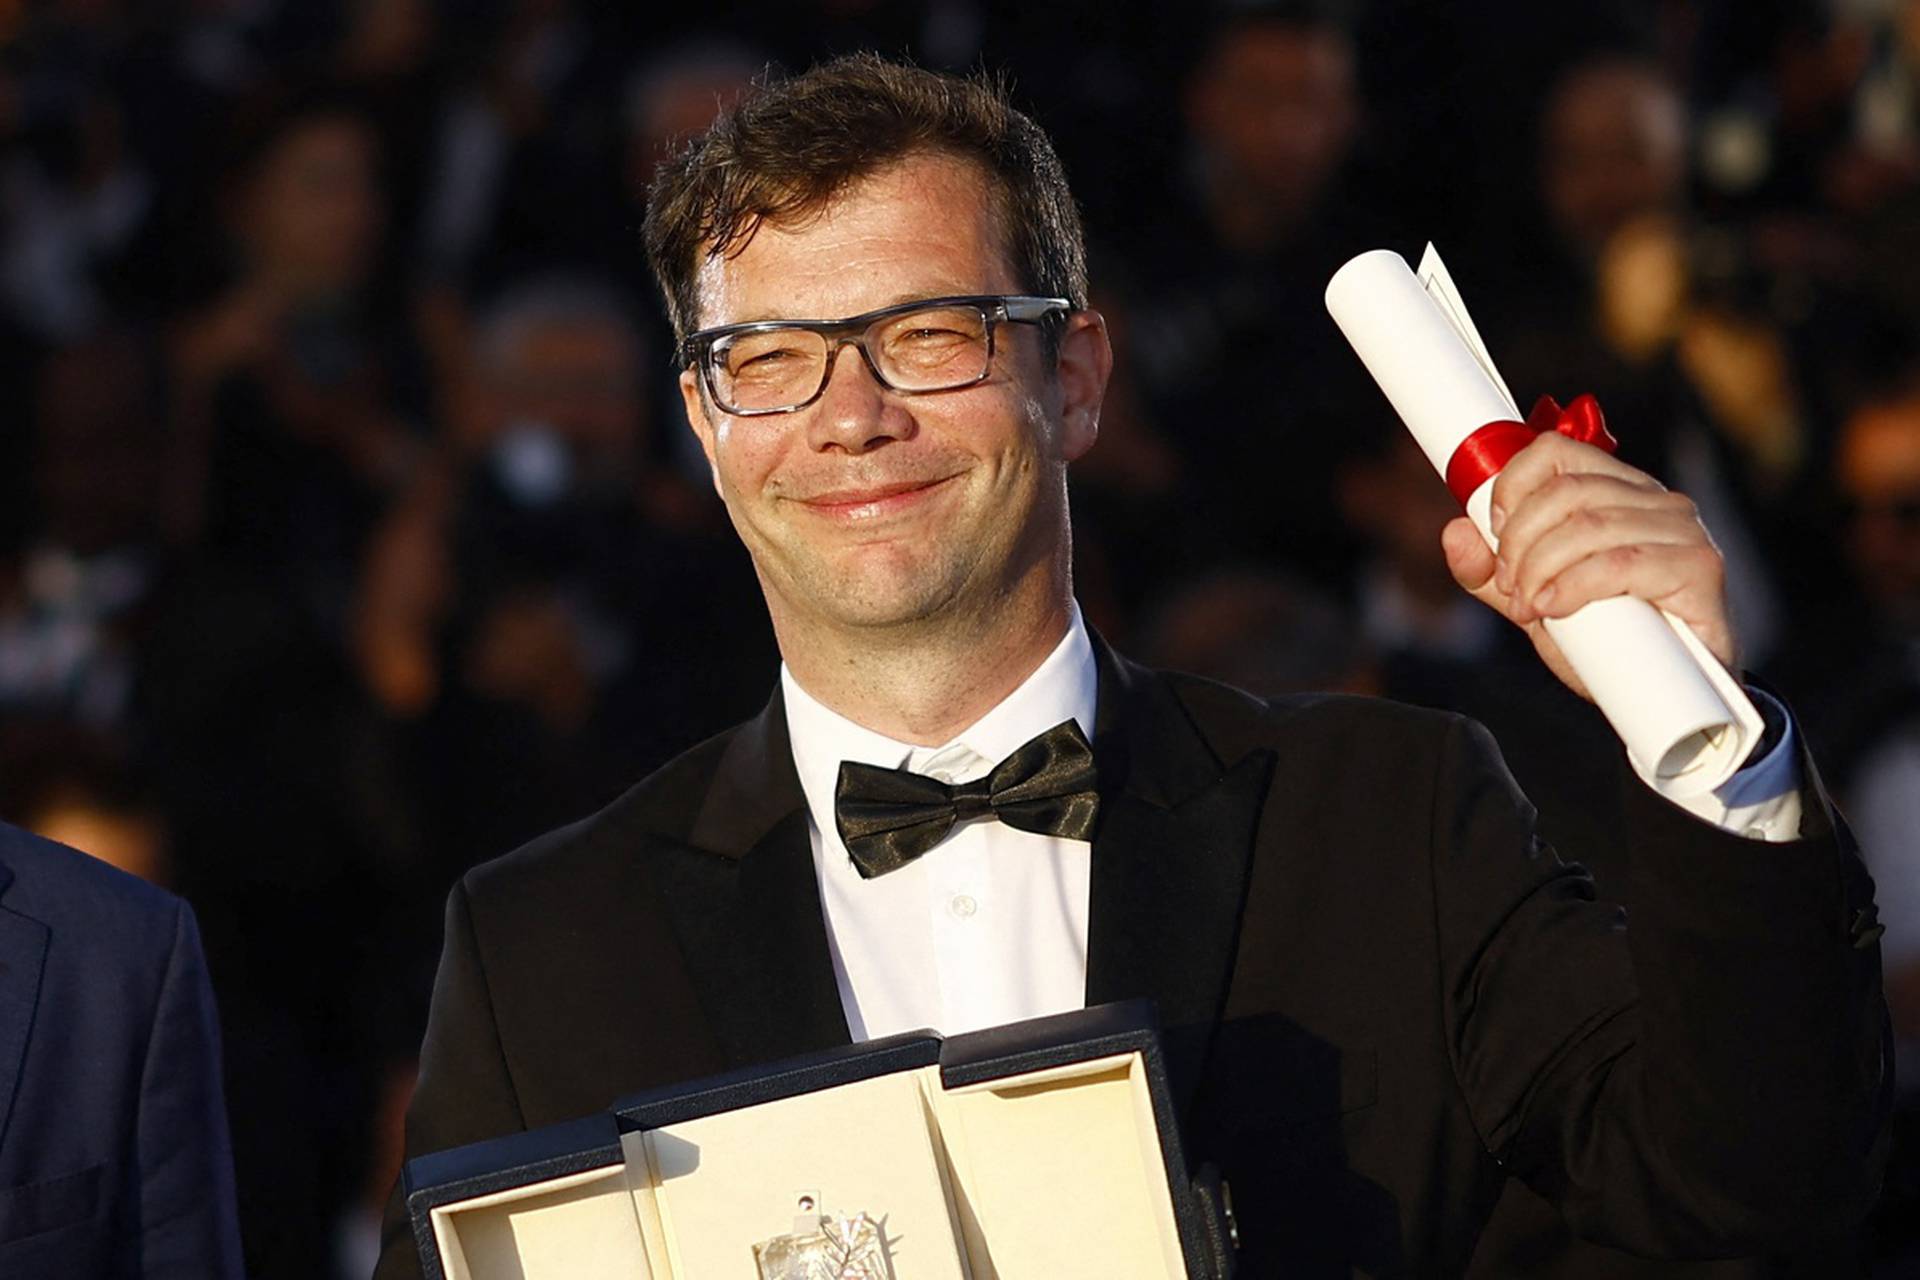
x=1762, y=801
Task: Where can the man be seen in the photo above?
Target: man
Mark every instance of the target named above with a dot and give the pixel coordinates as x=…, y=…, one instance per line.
x=114, y=1160
x=1383, y=998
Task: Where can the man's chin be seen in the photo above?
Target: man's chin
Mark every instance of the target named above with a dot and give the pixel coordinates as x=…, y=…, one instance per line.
x=892, y=611
x=900, y=596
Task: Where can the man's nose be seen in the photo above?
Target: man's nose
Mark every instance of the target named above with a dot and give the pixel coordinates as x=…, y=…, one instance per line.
x=855, y=413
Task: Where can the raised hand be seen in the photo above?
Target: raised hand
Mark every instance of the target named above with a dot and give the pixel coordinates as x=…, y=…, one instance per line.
x=1576, y=524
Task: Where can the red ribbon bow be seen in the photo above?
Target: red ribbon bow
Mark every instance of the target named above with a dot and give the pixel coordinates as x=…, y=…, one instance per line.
x=1481, y=455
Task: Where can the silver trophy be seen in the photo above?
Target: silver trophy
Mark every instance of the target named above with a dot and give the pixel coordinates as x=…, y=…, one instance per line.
x=826, y=1246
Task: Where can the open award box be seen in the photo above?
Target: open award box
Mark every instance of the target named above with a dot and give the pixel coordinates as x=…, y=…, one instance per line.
x=1035, y=1151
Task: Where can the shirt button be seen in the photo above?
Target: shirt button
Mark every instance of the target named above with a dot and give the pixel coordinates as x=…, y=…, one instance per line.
x=963, y=906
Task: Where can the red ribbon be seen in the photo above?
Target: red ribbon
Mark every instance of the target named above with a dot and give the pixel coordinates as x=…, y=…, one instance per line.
x=1481, y=455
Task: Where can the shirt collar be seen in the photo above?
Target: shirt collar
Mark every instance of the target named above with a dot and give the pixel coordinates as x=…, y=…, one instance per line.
x=1062, y=687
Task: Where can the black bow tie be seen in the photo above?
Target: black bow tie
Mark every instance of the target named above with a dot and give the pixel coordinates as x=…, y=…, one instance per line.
x=889, y=817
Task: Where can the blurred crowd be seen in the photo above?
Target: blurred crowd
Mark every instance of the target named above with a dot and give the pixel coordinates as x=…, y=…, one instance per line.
x=350, y=533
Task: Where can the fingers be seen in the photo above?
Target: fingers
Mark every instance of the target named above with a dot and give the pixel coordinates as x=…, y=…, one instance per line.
x=1546, y=459
x=1685, y=578
x=1559, y=502
x=1577, y=525
x=1574, y=520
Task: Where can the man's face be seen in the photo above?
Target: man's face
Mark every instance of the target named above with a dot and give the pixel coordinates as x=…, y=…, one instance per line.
x=873, y=509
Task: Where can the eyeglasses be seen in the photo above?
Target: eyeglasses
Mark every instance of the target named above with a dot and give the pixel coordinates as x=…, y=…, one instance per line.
x=939, y=344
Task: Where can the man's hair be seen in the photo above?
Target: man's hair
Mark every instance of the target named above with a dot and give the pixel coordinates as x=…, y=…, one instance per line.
x=789, y=147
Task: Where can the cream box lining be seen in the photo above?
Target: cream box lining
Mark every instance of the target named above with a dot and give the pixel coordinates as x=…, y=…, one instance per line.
x=1050, y=1173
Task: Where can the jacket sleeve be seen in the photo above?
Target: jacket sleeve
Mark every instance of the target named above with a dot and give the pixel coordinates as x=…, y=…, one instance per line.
x=1717, y=1085
x=186, y=1221
x=465, y=1092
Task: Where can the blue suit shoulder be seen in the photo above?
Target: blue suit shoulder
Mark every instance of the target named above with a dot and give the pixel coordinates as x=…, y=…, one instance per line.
x=114, y=1155
x=60, y=886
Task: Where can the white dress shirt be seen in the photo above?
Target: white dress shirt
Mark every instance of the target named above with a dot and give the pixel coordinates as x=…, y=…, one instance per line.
x=990, y=925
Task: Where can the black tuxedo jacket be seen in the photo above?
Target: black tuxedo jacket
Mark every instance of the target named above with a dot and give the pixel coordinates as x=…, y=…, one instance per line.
x=1383, y=995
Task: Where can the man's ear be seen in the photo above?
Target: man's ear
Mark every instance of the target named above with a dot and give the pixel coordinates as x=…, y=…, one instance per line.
x=1083, y=367
x=699, y=423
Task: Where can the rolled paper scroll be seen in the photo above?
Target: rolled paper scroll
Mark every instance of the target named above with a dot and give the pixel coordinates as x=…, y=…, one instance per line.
x=1686, y=723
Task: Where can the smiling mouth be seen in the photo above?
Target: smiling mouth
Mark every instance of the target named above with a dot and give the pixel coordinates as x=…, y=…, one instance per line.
x=872, y=502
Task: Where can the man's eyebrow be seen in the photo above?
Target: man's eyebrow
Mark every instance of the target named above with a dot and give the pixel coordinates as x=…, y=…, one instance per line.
x=898, y=299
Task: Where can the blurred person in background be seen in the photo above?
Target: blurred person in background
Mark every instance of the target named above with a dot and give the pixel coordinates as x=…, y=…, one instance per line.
x=1889, y=214
x=542, y=148
x=1874, y=707
x=1613, y=149
x=74, y=197
x=1273, y=108
x=674, y=95
x=297, y=395
x=525, y=172
x=77, y=600
x=552, y=609
x=1776, y=81
x=1873, y=700
x=300, y=404
x=390, y=53
x=1808, y=168
x=1245, y=389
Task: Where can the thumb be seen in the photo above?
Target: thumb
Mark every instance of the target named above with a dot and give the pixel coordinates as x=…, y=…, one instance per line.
x=1469, y=558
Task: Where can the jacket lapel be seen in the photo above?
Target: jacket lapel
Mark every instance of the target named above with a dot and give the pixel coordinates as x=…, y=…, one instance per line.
x=745, y=905
x=23, y=954
x=1170, y=859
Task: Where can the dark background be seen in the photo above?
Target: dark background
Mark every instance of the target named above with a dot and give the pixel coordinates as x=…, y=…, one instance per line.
x=350, y=535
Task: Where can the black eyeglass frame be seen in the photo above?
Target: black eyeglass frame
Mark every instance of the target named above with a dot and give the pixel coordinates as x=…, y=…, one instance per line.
x=996, y=309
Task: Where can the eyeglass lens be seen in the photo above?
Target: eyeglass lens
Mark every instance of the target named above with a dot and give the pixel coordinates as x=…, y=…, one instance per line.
x=930, y=349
